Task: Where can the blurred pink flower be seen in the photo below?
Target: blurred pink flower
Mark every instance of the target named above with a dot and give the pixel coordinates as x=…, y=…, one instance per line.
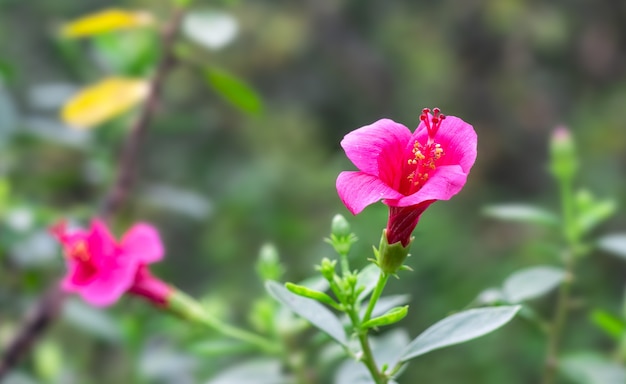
x=102, y=270
x=407, y=171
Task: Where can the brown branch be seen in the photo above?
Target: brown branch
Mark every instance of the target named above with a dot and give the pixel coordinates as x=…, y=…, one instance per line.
x=46, y=310
x=126, y=169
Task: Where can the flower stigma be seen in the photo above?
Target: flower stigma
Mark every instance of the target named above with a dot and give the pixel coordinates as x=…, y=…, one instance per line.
x=425, y=156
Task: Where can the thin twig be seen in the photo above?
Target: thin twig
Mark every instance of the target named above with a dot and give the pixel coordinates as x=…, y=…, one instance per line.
x=126, y=168
x=45, y=312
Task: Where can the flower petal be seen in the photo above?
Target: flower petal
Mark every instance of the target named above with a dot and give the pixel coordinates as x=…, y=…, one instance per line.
x=142, y=241
x=110, y=285
x=100, y=243
x=445, y=182
x=378, y=148
x=357, y=190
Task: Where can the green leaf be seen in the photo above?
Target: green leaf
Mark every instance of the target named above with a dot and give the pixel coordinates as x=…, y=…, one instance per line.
x=531, y=283
x=521, y=213
x=133, y=55
x=609, y=323
x=592, y=212
x=211, y=29
x=615, y=244
x=459, y=328
x=258, y=371
x=367, y=279
x=234, y=90
x=386, y=350
x=220, y=347
x=309, y=309
x=92, y=320
x=589, y=368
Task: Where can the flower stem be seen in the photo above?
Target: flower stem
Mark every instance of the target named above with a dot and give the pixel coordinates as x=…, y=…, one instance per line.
x=558, y=324
x=345, y=265
x=368, y=360
x=378, y=290
x=572, y=239
x=189, y=309
x=367, y=356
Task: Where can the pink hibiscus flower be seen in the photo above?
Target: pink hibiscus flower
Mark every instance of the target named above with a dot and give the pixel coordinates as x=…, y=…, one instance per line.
x=102, y=270
x=407, y=171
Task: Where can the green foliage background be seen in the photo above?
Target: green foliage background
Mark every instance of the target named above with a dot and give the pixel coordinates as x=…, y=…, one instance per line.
x=514, y=69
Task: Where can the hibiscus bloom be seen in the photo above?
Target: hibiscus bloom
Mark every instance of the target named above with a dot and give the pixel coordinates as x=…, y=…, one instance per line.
x=407, y=171
x=101, y=270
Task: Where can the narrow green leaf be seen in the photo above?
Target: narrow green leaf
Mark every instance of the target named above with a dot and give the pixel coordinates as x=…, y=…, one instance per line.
x=459, y=328
x=521, y=213
x=615, y=244
x=592, y=212
x=234, y=90
x=309, y=309
x=531, y=283
x=609, y=323
x=590, y=368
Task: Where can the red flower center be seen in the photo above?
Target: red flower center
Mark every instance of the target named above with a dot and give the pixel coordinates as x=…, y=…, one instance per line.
x=426, y=155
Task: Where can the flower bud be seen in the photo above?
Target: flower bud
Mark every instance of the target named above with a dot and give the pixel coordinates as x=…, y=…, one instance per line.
x=563, y=161
x=390, y=257
x=310, y=293
x=268, y=266
x=340, y=226
x=392, y=316
x=327, y=268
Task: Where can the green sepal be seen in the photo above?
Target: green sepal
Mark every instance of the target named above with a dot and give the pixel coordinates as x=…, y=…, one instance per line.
x=392, y=316
x=390, y=257
x=303, y=291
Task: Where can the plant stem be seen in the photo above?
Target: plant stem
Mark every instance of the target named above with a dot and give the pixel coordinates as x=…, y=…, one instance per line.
x=380, y=285
x=571, y=235
x=189, y=309
x=345, y=265
x=367, y=356
x=558, y=324
x=368, y=360
x=126, y=170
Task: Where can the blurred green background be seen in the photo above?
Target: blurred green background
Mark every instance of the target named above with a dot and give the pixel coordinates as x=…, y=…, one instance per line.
x=219, y=182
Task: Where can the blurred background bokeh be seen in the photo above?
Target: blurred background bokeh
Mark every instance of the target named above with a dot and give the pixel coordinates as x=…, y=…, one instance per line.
x=219, y=182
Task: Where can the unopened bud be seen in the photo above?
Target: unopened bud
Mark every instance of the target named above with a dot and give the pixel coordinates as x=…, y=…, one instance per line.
x=311, y=294
x=340, y=226
x=327, y=268
x=393, y=316
x=268, y=265
x=563, y=161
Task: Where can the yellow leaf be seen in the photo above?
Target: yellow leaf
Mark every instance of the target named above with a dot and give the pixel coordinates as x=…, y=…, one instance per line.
x=106, y=21
x=103, y=101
